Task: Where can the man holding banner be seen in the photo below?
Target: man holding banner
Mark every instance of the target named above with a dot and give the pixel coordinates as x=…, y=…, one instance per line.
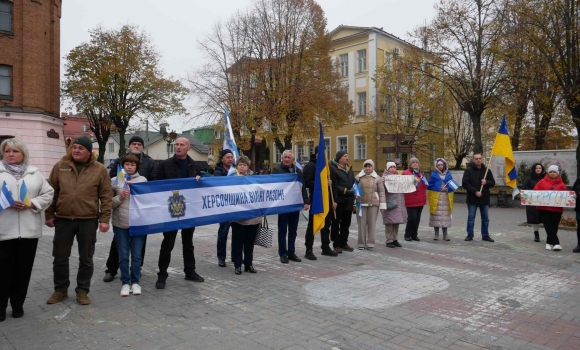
x=288, y=222
x=223, y=169
x=179, y=166
x=477, y=180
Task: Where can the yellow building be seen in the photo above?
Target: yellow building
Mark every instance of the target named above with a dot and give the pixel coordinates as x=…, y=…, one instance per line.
x=359, y=51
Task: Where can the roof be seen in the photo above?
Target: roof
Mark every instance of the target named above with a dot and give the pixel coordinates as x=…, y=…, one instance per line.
x=364, y=31
x=151, y=138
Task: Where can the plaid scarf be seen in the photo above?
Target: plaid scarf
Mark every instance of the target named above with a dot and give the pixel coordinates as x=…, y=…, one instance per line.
x=16, y=170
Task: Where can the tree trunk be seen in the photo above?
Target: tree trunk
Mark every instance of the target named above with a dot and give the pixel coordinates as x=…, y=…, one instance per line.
x=520, y=116
x=102, y=149
x=458, y=162
x=475, y=117
x=122, y=150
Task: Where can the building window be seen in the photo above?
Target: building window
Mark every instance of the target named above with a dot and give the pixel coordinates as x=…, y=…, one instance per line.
x=342, y=143
x=111, y=147
x=277, y=155
x=361, y=103
x=170, y=148
x=5, y=81
x=344, y=65
x=360, y=146
x=5, y=17
x=300, y=153
x=327, y=147
x=361, y=56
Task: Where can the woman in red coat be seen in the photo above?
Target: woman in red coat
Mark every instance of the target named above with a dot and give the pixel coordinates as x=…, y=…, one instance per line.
x=415, y=201
x=550, y=216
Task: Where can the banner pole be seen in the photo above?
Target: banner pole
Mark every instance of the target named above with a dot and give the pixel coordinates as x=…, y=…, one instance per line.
x=486, y=170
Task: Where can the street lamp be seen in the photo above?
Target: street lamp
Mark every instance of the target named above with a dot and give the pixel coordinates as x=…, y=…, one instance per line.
x=169, y=138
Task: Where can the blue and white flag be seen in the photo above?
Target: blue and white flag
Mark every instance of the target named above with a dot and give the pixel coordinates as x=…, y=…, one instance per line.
x=298, y=165
x=160, y=206
x=230, y=142
x=6, y=199
x=358, y=192
x=452, y=185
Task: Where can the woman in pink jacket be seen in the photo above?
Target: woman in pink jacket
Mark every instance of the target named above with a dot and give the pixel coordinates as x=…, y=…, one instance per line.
x=371, y=201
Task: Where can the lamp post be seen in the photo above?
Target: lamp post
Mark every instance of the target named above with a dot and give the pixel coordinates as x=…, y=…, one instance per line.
x=169, y=138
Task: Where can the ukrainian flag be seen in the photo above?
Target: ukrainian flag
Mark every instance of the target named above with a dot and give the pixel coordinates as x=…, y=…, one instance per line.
x=503, y=147
x=320, y=205
x=24, y=195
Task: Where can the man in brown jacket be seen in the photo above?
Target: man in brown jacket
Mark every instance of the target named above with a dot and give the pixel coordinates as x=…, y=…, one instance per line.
x=82, y=204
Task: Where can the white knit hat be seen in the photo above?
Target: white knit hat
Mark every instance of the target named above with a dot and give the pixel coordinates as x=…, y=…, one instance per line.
x=554, y=168
x=390, y=164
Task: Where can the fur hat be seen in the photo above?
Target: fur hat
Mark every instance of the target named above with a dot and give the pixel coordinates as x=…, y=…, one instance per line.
x=85, y=142
x=369, y=161
x=137, y=139
x=554, y=168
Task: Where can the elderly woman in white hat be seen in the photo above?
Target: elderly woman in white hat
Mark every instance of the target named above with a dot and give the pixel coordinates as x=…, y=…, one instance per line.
x=371, y=201
x=396, y=212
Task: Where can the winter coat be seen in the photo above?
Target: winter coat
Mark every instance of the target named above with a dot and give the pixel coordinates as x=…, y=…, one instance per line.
x=121, y=207
x=532, y=215
x=547, y=184
x=170, y=169
x=25, y=223
x=576, y=189
x=419, y=197
x=342, y=181
x=440, y=203
x=147, y=168
x=84, y=195
x=373, y=189
x=251, y=221
x=397, y=215
x=282, y=169
x=471, y=182
x=220, y=170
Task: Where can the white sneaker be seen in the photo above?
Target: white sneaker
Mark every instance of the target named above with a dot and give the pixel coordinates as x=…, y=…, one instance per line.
x=136, y=289
x=125, y=290
x=549, y=247
x=557, y=247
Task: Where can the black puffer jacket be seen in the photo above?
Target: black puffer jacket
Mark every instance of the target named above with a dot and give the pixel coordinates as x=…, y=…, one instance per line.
x=472, y=183
x=342, y=181
x=282, y=169
x=148, y=167
x=309, y=172
x=220, y=170
x=170, y=169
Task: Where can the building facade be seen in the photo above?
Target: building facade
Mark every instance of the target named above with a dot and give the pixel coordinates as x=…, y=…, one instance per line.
x=30, y=78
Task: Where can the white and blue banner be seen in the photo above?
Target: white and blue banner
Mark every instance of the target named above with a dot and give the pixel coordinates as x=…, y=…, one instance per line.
x=167, y=205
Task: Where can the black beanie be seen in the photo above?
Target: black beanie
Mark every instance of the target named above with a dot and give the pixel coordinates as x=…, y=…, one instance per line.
x=339, y=155
x=225, y=151
x=85, y=142
x=137, y=139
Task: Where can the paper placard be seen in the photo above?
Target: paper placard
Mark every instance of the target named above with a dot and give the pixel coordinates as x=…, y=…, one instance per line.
x=565, y=199
x=400, y=183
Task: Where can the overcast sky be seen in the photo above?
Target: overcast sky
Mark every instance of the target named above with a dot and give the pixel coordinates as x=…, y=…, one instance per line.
x=176, y=25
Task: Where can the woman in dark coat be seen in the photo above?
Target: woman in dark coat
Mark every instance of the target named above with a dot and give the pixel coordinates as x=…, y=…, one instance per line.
x=536, y=174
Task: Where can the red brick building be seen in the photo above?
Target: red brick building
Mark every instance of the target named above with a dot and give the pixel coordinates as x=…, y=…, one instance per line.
x=76, y=125
x=30, y=78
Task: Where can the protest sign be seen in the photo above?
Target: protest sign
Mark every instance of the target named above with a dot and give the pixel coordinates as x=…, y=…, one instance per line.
x=566, y=199
x=400, y=183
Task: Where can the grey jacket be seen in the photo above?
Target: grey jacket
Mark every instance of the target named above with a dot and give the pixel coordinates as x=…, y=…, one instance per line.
x=121, y=207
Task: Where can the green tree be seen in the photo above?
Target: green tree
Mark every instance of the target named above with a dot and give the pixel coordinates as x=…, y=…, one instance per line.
x=117, y=74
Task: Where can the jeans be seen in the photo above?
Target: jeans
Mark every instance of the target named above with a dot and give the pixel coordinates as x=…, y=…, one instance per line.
x=222, y=240
x=113, y=259
x=287, y=223
x=125, y=244
x=472, y=210
x=243, y=238
x=16, y=261
x=167, y=246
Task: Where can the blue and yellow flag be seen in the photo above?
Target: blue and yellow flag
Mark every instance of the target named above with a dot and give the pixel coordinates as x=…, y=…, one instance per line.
x=122, y=177
x=320, y=203
x=24, y=195
x=503, y=147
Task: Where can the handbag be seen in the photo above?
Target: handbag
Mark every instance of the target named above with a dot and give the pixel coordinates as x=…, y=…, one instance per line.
x=264, y=236
x=392, y=203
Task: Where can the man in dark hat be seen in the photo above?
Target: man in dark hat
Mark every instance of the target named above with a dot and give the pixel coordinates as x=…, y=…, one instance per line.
x=342, y=180
x=82, y=204
x=148, y=169
x=221, y=169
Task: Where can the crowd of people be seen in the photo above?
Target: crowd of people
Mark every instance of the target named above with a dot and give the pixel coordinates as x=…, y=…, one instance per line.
x=81, y=198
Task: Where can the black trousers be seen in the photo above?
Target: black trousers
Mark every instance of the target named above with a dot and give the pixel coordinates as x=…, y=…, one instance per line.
x=167, y=246
x=551, y=220
x=413, y=220
x=340, y=226
x=16, y=261
x=64, y=236
x=243, y=239
x=113, y=259
x=324, y=233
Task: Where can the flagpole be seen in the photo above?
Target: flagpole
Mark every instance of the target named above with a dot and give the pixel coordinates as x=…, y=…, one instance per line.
x=332, y=199
x=486, y=170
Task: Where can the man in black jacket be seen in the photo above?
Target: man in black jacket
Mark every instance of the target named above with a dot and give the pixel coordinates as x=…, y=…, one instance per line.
x=148, y=168
x=288, y=222
x=309, y=178
x=179, y=166
x=222, y=168
x=342, y=180
x=477, y=188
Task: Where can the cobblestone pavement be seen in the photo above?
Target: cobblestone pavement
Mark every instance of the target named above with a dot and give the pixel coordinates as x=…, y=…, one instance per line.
x=511, y=294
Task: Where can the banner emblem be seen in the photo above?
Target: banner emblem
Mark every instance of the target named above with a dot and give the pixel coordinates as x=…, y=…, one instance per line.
x=176, y=205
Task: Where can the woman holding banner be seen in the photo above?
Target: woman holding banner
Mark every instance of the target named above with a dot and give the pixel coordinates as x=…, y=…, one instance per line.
x=127, y=244
x=537, y=173
x=415, y=201
x=244, y=231
x=28, y=194
x=550, y=216
x=371, y=201
x=396, y=212
x=440, y=198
